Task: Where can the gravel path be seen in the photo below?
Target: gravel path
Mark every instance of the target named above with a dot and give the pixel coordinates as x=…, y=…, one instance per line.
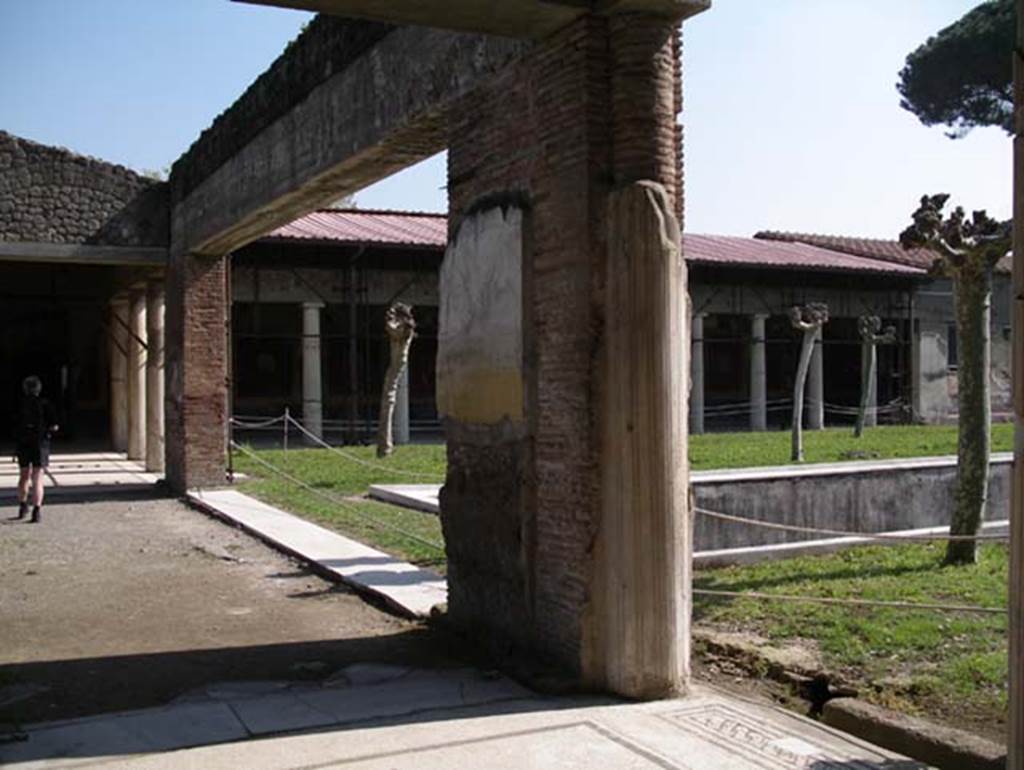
x=123, y=604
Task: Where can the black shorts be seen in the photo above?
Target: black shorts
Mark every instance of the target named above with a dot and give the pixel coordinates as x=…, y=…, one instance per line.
x=37, y=456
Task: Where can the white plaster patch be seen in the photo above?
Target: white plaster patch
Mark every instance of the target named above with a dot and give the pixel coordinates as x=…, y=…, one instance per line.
x=480, y=337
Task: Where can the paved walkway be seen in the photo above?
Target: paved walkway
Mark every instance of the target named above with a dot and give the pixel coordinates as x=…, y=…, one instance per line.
x=407, y=588
x=85, y=473
x=380, y=717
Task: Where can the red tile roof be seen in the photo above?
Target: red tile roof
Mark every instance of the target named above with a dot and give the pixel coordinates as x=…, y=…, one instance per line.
x=753, y=252
x=876, y=248
x=362, y=226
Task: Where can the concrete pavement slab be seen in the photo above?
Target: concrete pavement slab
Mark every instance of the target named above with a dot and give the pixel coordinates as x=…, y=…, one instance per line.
x=408, y=588
x=706, y=731
x=420, y=497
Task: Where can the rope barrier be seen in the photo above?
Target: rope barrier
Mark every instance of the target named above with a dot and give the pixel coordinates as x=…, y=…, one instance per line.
x=359, y=460
x=853, y=602
x=337, y=501
x=841, y=532
x=252, y=425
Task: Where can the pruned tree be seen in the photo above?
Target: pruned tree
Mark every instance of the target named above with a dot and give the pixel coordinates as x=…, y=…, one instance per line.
x=808, y=319
x=963, y=76
x=968, y=249
x=401, y=328
x=871, y=335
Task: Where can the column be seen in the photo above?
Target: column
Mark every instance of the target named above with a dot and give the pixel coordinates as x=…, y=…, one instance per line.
x=816, y=388
x=697, y=374
x=155, y=377
x=401, y=419
x=137, y=375
x=195, y=366
x=758, y=374
x=119, y=374
x=312, y=378
x=871, y=415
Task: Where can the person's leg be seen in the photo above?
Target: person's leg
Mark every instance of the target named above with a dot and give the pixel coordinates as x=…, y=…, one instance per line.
x=23, y=482
x=37, y=492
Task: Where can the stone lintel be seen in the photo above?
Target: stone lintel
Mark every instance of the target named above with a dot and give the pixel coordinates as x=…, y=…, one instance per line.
x=82, y=254
x=382, y=113
x=534, y=19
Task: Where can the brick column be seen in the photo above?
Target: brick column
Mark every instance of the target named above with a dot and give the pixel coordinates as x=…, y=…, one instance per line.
x=564, y=507
x=196, y=371
x=758, y=374
x=697, y=373
x=119, y=374
x=137, y=376
x=155, y=377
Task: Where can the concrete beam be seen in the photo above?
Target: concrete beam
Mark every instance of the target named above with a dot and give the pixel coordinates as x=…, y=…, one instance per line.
x=382, y=113
x=534, y=19
x=82, y=254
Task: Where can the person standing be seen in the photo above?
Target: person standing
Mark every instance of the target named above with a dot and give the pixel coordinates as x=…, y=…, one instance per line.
x=37, y=422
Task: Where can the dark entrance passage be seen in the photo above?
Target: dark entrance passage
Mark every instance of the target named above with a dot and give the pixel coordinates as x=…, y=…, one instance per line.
x=52, y=324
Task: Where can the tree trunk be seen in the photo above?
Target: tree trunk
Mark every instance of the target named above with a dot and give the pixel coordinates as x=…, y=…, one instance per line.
x=972, y=285
x=868, y=363
x=798, y=394
x=400, y=328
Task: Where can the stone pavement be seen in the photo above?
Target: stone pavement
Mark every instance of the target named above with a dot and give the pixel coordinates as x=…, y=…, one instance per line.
x=407, y=588
x=84, y=473
x=377, y=717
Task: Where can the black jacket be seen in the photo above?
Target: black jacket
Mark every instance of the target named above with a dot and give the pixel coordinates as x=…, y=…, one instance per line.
x=35, y=418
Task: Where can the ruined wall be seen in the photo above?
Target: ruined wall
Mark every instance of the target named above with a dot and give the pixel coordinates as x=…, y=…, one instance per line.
x=520, y=507
x=52, y=195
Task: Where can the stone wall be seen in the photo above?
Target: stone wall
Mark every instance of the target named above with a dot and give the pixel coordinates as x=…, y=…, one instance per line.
x=325, y=47
x=52, y=195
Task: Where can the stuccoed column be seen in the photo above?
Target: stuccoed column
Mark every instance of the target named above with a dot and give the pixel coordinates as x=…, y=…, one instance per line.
x=155, y=377
x=401, y=420
x=137, y=376
x=758, y=374
x=816, y=387
x=119, y=374
x=312, y=377
x=697, y=374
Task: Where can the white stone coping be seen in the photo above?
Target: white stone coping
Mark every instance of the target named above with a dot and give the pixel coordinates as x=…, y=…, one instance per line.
x=407, y=588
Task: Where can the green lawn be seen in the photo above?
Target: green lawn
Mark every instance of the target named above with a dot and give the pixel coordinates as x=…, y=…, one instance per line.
x=747, y=450
x=347, y=482
x=949, y=666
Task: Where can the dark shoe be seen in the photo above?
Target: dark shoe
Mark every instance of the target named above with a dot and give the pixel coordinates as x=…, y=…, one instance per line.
x=22, y=510
x=35, y=514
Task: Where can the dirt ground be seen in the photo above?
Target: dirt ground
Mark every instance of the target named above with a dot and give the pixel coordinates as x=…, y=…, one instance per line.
x=123, y=604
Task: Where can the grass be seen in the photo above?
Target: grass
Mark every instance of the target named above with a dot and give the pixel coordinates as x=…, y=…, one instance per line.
x=747, y=450
x=950, y=666
x=346, y=483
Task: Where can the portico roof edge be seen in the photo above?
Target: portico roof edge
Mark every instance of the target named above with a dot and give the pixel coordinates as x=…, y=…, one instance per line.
x=82, y=254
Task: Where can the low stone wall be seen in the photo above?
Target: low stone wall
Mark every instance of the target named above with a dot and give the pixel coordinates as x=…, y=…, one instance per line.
x=865, y=497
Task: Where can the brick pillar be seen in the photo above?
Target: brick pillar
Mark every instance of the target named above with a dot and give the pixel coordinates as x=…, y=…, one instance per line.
x=312, y=377
x=119, y=374
x=195, y=364
x=565, y=407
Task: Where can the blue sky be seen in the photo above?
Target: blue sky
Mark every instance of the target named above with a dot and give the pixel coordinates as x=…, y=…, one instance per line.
x=792, y=118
